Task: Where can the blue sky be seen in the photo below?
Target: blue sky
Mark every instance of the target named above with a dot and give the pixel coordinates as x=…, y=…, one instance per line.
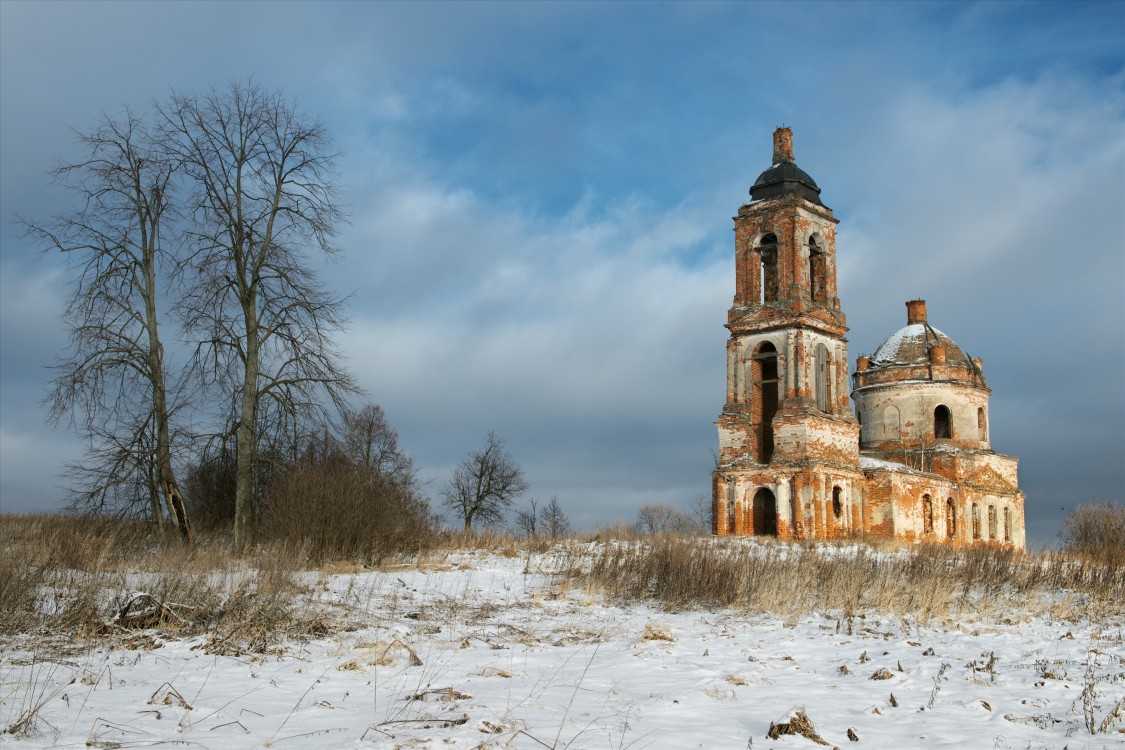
x=540, y=198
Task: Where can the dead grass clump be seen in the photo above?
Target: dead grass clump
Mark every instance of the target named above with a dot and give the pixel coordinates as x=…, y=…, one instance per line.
x=656, y=633
x=796, y=722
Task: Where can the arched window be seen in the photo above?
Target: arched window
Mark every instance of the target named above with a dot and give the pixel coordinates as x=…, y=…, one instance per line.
x=992, y=523
x=1007, y=524
x=765, y=513
x=818, y=272
x=982, y=424
x=837, y=502
x=976, y=521
x=943, y=422
x=821, y=380
x=763, y=404
x=927, y=514
x=950, y=519
x=767, y=254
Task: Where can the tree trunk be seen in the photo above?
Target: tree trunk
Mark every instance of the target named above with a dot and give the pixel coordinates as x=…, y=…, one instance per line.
x=166, y=478
x=244, y=483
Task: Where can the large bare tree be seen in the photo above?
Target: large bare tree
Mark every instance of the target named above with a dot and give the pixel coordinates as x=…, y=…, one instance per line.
x=485, y=484
x=263, y=204
x=113, y=384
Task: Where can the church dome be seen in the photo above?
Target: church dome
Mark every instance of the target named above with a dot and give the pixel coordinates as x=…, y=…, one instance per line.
x=911, y=345
x=919, y=351
x=784, y=176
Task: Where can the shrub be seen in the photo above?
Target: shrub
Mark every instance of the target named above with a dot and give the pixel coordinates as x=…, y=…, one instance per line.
x=341, y=510
x=1096, y=533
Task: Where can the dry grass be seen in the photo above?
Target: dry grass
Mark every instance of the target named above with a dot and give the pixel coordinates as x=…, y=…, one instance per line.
x=83, y=577
x=793, y=580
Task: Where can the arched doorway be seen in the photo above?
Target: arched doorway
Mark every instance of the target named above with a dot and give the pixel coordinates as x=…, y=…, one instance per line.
x=765, y=513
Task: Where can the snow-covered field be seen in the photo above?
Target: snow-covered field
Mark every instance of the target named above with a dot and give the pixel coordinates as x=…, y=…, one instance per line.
x=475, y=652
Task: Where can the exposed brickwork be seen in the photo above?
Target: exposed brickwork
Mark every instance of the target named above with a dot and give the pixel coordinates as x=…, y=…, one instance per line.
x=793, y=460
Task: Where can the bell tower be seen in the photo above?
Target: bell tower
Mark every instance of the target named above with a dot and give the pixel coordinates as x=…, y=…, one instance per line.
x=788, y=442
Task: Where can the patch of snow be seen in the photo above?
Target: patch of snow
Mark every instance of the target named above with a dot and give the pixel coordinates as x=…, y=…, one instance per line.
x=866, y=462
x=510, y=658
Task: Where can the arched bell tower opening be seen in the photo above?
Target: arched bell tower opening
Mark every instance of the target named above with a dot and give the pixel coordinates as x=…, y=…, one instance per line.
x=764, y=381
x=767, y=268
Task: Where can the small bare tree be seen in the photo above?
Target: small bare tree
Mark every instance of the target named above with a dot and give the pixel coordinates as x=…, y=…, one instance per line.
x=113, y=383
x=485, y=484
x=263, y=196
x=657, y=518
x=701, y=511
x=527, y=519
x=553, y=521
x=372, y=444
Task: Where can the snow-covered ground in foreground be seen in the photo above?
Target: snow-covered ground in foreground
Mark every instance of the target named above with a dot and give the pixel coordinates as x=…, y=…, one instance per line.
x=477, y=653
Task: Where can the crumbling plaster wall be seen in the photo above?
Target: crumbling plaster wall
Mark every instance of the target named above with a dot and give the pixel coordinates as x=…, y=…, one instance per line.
x=902, y=414
x=804, y=500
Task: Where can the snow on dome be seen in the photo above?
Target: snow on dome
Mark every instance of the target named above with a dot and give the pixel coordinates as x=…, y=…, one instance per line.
x=911, y=344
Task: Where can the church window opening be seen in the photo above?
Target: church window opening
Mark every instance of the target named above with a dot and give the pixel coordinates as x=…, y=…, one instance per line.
x=765, y=513
x=823, y=392
x=818, y=272
x=943, y=422
x=950, y=519
x=982, y=424
x=991, y=523
x=1007, y=524
x=927, y=514
x=837, y=502
x=767, y=252
x=976, y=521
x=764, y=404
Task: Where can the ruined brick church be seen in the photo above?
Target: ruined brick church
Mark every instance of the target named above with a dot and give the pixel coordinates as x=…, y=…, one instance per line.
x=913, y=462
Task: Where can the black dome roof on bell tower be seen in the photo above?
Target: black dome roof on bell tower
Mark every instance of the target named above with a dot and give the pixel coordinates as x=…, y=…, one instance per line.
x=784, y=177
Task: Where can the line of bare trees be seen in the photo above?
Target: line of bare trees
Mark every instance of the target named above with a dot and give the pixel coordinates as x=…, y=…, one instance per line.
x=201, y=370
x=203, y=217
